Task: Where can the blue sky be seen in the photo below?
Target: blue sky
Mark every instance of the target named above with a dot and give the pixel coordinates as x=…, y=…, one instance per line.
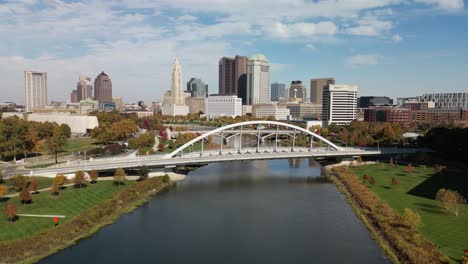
x=395, y=48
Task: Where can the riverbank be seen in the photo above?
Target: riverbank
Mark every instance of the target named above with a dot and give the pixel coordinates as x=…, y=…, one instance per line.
x=33, y=248
x=401, y=243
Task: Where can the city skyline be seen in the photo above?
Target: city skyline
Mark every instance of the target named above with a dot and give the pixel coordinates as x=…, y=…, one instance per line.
x=376, y=45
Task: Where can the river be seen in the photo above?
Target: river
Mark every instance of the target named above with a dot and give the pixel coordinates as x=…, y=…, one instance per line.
x=237, y=212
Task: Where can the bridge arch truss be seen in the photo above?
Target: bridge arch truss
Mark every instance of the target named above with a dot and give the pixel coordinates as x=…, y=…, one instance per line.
x=257, y=123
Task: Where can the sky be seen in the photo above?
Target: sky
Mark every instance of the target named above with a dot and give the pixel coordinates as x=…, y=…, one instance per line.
x=395, y=48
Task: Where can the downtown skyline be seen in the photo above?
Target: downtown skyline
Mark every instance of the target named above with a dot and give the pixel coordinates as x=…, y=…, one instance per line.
x=391, y=48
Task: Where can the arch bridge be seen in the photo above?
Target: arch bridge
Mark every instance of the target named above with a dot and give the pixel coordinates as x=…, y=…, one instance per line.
x=311, y=145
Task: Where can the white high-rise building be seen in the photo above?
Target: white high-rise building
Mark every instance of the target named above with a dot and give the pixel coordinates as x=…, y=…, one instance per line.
x=35, y=90
x=174, y=100
x=339, y=104
x=223, y=105
x=258, y=80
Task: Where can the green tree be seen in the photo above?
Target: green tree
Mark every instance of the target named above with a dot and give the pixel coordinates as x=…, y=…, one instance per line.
x=119, y=177
x=58, y=140
x=14, y=138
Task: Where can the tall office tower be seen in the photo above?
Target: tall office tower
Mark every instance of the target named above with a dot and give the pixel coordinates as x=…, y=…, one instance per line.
x=197, y=88
x=35, y=89
x=232, y=76
x=74, y=96
x=316, y=89
x=174, y=100
x=277, y=91
x=226, y=76
x=258, y=80
x=103, y=88
x=84, y=88
x=297, y=92
x=240, y=77
x=339, y=104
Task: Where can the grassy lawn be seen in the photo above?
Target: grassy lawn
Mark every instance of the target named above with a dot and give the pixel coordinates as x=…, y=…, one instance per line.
x=70, y=202
x=417, y=191
x=43, y=182
x=74, y=145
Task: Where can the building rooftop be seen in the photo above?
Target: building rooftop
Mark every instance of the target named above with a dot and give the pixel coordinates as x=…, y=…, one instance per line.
x=258, y=57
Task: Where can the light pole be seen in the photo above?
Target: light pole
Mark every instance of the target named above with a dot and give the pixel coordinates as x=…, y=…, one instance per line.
x=85, y=167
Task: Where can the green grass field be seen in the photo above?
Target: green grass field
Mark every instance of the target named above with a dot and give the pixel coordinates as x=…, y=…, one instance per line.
x=43, y=182
x=70, y=202
x=74, y=145
x=417, y=191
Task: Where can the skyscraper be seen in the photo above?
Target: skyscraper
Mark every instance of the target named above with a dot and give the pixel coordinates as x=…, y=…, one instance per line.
x=297, y=92
x=339, y=104
x=35, y=89
x=84, y=88
x=197, y=88
x=103, y=88
x=226, y=76
x=258, y=80
x=174, y=100
x=232, y=76
x=74, y=97
x=277, y=91
x=316, y=89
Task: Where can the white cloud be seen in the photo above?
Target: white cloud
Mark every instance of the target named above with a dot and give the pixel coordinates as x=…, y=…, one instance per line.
x=363, y=59
x=370, y=26
x=300, y=30
x=397, y=38
x=311, y=46
x=449, y=5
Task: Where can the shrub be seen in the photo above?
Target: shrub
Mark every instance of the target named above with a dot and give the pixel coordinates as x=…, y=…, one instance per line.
x=411, y=219
x=34, y=185
x=372, y=180
x=79, y=181
x=19, y=182
x=94, y=175
x=25, y=196
x=409, y=168
x=119, y=176
x=10, y=211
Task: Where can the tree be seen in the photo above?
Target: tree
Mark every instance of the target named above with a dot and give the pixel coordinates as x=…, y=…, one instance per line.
x=372, y=180
x=390, y=162
x=94, y=175
x=452, y=200
x=143, y=171
x=25, y=196
x=10, y=211
x=365, y=177
x=3, y=190
x=19, y=182
x=79, y=180
x=55, y=189
x=119, y=176
x=394, y=181
x=58, y=140
x=34, y=185
x=411, y=219
x=409, y=168
x=59, y=180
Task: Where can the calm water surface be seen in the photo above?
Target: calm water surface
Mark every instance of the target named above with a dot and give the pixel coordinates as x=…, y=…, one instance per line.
x=238, y=212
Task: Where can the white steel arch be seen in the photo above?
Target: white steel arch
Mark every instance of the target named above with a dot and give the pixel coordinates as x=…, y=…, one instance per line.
x=247, y=123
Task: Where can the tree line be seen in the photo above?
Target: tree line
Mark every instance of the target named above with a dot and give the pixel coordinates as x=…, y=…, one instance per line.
x=20, y=138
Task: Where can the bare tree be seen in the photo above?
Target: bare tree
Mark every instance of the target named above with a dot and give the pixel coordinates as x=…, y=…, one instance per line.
x=452, y=200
